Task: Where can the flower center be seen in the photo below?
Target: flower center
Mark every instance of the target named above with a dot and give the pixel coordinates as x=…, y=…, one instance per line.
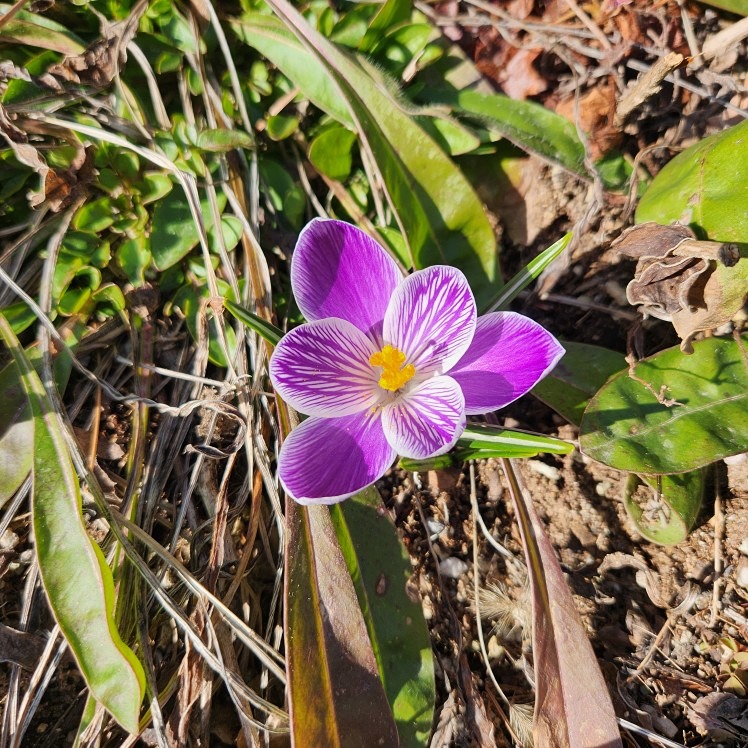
x=394, y=374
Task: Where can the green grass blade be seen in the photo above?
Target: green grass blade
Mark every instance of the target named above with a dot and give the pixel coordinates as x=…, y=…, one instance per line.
x=528, y=274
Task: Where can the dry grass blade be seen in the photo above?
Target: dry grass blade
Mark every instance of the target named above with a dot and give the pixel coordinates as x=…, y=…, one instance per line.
x=572, y=705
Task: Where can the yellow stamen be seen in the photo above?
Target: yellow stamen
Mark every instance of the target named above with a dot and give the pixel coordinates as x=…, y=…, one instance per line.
x=394, y=374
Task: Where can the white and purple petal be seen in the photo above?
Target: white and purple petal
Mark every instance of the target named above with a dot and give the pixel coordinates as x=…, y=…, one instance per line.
x=326, y=460
x=339, y=271
x=509, y=355
x=426, y=421
x=322, y=369
x=431, y=318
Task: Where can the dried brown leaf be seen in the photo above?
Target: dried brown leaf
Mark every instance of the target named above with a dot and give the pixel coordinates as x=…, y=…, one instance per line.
x=696, y=285
x=102, y=60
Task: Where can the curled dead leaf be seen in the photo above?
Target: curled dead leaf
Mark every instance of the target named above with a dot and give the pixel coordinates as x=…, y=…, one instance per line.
x=696, y=285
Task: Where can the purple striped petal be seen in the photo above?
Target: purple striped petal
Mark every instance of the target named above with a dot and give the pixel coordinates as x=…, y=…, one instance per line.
x=339, y=271
x=322, y=369
x=326, y=460
x=427, y=421
x=509, y=355
x=431, y=318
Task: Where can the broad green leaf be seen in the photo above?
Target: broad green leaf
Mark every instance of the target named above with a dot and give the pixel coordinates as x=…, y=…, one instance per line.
x=666, y=507
x=336, y=698
x=528, y=125
x=330, y=152
x=442, y=219
x=134, y=257
x=95, y=216
x=581, y=372
x=174, y=232
x=37, y=31
x=380, y=569
x=572, y=703
x=76, y=578
x=254, y=322
x=630, y=426
x=704, y=187
x=154, y=186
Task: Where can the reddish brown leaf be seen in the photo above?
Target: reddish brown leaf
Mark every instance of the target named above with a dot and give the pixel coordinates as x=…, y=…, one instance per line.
x=336, y=696
x=572, y=705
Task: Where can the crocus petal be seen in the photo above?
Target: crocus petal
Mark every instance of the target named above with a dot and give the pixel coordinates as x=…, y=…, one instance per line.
x=322, y=369
x=339, y=271
x=326, y=460
x=509, y=355
x=431, y=318
x=426, y=421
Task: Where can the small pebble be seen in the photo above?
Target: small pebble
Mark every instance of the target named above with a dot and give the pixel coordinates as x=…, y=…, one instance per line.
x=452, y=567
x=741, y=575
x=547, y=471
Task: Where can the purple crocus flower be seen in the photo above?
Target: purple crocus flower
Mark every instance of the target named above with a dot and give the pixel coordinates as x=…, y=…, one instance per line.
x=388, y=365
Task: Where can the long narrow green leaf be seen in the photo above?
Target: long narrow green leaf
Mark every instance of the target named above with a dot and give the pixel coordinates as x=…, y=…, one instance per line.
x=380, y=570
x=485, y=442
x=528, y=125
x=75, y=575
x=441, y=217
x=262, y=327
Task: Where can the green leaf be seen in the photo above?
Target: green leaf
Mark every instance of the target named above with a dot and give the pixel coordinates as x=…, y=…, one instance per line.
x=95, y=216
x=281, y=126
x=704, y=187
x=16, y=433
x=335, y=694
x=528, y=125
x=482, y=442
x=154, y=186
x=381, y=570
x=669, y=506
x=268, y=35
x=529, y=273
x=174, y=232
x=37, y=31
x=581, y=372
x=220, y=140
x=733, y=6
x=134, y=257
x=627, y=425
x=442, y=218
x=254, y=322
x=76, y=578
x=330, y=152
